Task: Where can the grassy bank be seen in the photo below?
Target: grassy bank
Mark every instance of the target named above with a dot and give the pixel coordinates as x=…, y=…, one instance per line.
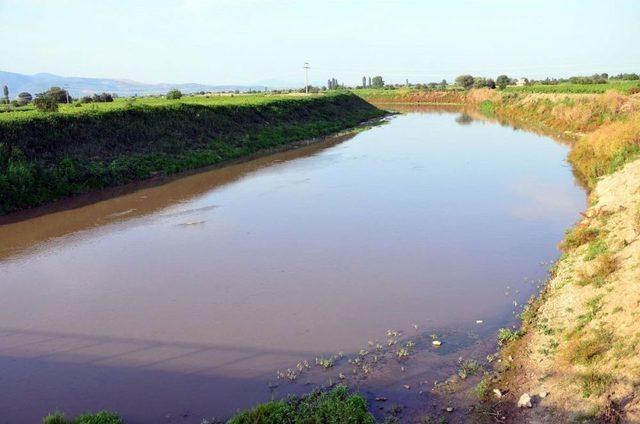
x=44, y=157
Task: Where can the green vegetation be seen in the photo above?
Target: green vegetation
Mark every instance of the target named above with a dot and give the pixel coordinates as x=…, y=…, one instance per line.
x=596, y=248
x=174, y=94
x=506, y=335
x=102, y=417
x=334, y=407
x=578, y=88
x=577, y=236
x=44, y=157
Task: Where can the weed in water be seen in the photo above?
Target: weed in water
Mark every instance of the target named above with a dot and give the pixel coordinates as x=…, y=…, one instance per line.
x=469, y=367
x=55, y=418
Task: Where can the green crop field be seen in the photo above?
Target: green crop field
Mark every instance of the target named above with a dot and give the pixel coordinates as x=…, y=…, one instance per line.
x=29, y=111
x=622, y=86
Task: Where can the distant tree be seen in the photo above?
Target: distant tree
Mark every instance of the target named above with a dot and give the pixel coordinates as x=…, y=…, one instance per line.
x=466, y=81
x=364, y=82
x=5, y=92
x=60, y=95
x=25, y=98
x=407, y=82
x=173, y=94
x=46, y=103
x=377, y=82
x=491, y=83
x=102, y=98
x=479, y=82
x=502, y=81
x=443, y=83
x=369, y=85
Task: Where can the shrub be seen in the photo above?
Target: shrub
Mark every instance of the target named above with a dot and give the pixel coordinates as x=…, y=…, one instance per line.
x=46, y=103
x=174, y=94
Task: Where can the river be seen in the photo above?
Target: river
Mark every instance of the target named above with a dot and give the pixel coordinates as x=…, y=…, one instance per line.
x=180, y=301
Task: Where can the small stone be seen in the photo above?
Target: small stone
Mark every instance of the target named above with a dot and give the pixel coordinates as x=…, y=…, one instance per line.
x=406, y=386
x=543, y=395
x=436, y=343
x=479, y=321
x=381, y=399
x=449, y=409
x=524, y=401
x=498, y=393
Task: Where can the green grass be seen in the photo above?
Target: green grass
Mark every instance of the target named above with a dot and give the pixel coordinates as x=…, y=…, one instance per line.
x=334, y=407
x=596, y=248
x=569, y=88
x=51, y=156
x=102, y=417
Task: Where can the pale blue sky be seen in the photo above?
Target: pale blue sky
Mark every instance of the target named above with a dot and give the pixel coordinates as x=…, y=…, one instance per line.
x=250, y=41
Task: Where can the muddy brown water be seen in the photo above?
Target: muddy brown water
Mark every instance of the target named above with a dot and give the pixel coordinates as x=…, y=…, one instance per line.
x=180, y=302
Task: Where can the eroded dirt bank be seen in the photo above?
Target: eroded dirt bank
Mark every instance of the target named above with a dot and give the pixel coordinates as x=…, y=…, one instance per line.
x=581, y=341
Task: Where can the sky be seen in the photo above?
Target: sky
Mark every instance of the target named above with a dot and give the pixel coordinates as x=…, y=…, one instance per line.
x=267, y=41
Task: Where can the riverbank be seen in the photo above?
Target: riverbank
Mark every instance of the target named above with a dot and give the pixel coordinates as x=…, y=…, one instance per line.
x=576, y=352
x=45, y=157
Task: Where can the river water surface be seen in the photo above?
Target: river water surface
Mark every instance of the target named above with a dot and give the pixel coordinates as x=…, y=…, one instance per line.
x=181, y=301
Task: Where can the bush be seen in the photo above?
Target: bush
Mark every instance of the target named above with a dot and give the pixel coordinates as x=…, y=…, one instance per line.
x=334, y=407
x=174, y=94
x=46, y=103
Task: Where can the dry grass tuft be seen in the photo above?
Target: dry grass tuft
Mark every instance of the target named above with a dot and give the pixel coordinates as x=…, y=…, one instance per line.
x=577, y=236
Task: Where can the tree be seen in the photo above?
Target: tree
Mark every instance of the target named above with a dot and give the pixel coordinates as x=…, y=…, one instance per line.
x=46, y=103
x=174, y=94
x=502, y=81
x=24, y=98
x=465, y=81
x=479, y=82
x=369, y=82
x=377, y=82
x=5, y=92
x=491, y=83
x=364, y=82
x=60, y=95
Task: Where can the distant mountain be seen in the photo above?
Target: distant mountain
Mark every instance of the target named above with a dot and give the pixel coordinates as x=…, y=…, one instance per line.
x=79, y=86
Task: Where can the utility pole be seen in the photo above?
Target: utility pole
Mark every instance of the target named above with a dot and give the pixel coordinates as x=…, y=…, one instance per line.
x=306, y=77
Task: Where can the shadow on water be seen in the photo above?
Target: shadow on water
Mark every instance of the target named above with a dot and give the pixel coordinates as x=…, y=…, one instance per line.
x=21, y=230
x=176, y=382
